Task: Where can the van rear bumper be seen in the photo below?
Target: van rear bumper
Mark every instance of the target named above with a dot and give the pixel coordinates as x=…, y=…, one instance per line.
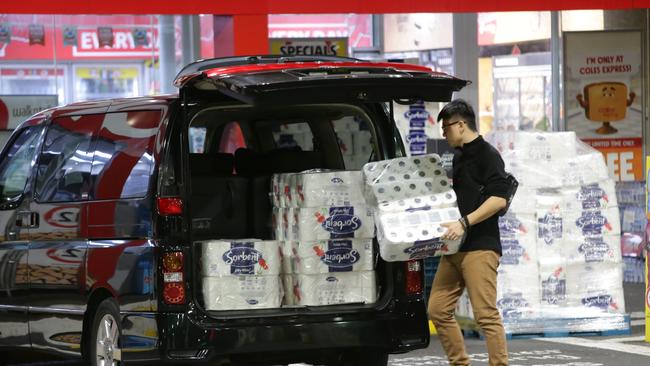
x=397, y=329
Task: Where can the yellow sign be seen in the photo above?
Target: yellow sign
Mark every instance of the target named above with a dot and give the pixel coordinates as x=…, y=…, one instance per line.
x=309, y=46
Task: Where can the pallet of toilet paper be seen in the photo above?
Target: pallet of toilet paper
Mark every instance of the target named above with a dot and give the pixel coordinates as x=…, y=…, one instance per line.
x=411, y=197
x=326, y=233
x=561, y=268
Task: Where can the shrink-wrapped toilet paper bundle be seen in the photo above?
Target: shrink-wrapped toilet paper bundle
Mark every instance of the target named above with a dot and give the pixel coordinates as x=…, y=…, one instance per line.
x=413, y=197
x=240, y=257
x=242, y=292
x=335, y=288
x=415, y=234
x=593, y=250
x=334, y=255
x=317, y=188
x=595, y=287
x=322, y=223
x=401, y=178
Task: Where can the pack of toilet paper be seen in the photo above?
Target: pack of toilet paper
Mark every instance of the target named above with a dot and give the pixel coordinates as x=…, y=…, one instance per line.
x=322, y=223
x=240, y=257
x=596, y=286
x=534, y=145
x=327, y=188
x=362, y=141
x=335, y=288
x=335, y=255
x=433, y=201
x=402, y=178
x=242, y=292
x=290, y=290
x=415, y=234
x=593, y=250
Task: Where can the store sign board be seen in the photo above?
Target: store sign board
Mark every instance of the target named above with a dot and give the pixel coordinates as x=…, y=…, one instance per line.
x=309, y=47
x=14, y=109
x=603, y=97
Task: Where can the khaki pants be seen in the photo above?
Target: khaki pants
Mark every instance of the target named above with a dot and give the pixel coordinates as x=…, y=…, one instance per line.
x=476, y=271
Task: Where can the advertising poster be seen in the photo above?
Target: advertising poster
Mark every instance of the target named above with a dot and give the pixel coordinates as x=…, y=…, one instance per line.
x=603, y=98
x=309, y=46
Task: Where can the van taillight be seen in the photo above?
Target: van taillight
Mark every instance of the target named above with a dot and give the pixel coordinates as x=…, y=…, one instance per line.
x=169, y=206
x=173, y=285
x=413, y=277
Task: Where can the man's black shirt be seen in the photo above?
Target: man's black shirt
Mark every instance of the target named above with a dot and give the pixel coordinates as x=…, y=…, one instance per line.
x=478, y=164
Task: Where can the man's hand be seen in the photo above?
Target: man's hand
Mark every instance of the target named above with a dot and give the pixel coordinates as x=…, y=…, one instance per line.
x=455, y=230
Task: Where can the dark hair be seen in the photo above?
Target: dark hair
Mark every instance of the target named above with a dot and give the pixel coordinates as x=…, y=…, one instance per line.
x=459, y=107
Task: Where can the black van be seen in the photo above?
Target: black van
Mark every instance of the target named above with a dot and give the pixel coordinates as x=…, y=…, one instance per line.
x=101, y=202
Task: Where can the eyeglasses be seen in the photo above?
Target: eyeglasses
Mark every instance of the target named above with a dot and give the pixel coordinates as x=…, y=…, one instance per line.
x=445, y=127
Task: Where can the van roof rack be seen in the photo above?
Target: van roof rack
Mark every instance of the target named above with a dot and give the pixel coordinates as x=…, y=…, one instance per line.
x=210, y=63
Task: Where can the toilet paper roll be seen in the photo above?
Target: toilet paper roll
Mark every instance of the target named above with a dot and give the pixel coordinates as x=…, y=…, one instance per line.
x=242, y=292
x=240, y=257
x=583, y=250
x=362, y=141
x=322, y=223
x=336, y=288
x=433, y=201
x=339, y=255
x=340, y=188
x=592, y=222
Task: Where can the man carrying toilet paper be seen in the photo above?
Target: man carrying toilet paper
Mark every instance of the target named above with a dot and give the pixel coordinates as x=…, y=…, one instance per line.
x=477, y=167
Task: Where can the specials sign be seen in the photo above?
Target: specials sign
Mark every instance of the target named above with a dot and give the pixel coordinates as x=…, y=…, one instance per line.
x=309, y=46
x=14, y=109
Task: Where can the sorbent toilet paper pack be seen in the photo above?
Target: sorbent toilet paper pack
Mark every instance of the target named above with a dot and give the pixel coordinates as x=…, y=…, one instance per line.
x=242, y=292
x=335, y=288
x=240, y=257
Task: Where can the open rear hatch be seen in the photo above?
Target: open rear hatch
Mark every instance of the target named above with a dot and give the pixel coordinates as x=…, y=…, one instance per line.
x=263, y=82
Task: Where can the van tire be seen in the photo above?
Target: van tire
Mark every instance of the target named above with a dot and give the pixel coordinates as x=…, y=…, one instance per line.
x=104, y=343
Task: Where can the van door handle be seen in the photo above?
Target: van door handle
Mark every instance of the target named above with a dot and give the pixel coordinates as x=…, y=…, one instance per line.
x=27, y=219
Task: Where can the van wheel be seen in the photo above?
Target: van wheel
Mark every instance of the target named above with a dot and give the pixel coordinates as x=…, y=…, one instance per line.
x=104, y=344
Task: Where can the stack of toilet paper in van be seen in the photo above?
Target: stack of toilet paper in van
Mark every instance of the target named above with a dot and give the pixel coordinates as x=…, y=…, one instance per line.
x=412, y=197
x=241, y=274
x=327, y=232
x=294, y=134
x=560, y=239
x=354, y=141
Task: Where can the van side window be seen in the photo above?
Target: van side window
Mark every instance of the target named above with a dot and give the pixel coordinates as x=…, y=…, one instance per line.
x=123, y=156
x=63, y=168
x=355, y=141
x=232, y=138
x=16, y=165
x=291, y=135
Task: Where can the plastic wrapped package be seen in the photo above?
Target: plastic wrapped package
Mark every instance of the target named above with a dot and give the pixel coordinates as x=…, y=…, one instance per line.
x=327, y=188
x=433, y=201
x=415, y=234
x=362, y=142
x=289, y=289
x=345, y=142
x=288, y=251
x=395, y=179
x=567, y=201
x=322, y=223
x=534, y=145
x=335, y=288
x=242, y=292
x=335, y=255
x=240, y=257
x=346, y=124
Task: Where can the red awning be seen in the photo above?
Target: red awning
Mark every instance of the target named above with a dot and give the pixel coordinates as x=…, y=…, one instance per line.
x=305, y=7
